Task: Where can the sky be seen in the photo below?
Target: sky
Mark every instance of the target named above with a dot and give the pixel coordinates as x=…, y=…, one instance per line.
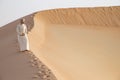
x=11, y=10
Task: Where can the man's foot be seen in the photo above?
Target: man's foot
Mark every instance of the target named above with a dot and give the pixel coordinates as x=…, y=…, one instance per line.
x=28, y=51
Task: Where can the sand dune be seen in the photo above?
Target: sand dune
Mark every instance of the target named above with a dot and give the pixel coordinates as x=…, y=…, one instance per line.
x=75, y=44
x=79, y=44
x=100, y=16
x=15, y=65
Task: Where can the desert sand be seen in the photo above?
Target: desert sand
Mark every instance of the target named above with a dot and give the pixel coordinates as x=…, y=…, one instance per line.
x=75, y=44
x=16, y=65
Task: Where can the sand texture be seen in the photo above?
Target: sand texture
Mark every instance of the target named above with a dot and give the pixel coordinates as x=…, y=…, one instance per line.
x=74, y=44
x=100, y=16
x=15, y=65
x=79, y=44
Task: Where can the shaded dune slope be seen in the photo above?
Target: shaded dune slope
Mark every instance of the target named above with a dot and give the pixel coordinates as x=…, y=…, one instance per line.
x=15, y=65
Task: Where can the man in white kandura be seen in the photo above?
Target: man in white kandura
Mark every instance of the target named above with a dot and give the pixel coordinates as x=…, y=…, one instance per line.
x=22, y=36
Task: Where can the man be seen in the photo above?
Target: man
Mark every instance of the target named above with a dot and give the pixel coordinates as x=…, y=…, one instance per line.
x=22, y=36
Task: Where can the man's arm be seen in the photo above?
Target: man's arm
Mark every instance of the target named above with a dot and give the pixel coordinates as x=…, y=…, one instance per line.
x=18, y=30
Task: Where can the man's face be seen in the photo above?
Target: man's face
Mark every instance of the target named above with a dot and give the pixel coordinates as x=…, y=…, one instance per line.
x=22, y=21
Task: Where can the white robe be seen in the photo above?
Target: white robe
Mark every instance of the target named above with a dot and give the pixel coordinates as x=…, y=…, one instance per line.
x=22, y=40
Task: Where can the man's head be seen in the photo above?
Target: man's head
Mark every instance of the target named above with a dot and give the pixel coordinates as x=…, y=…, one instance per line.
x=22, y=21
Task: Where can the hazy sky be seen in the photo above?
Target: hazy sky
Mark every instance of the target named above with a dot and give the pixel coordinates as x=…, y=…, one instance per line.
x=11, y=10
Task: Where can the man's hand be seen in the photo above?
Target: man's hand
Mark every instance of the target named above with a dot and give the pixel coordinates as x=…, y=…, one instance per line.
x=23, y=34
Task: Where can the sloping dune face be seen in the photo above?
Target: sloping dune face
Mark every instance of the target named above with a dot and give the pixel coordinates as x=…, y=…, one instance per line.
x=79, y=44
x=16, y=65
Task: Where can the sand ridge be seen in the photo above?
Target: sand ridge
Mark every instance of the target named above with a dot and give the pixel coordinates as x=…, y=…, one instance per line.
x=97, y=16
x=15, y=65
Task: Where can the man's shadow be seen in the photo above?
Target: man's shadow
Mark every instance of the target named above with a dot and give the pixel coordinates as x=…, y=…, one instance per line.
x=29, y=21
x=9, y=30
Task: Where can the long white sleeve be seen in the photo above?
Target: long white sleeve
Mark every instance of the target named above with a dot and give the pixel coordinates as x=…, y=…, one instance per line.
x=18, y=30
